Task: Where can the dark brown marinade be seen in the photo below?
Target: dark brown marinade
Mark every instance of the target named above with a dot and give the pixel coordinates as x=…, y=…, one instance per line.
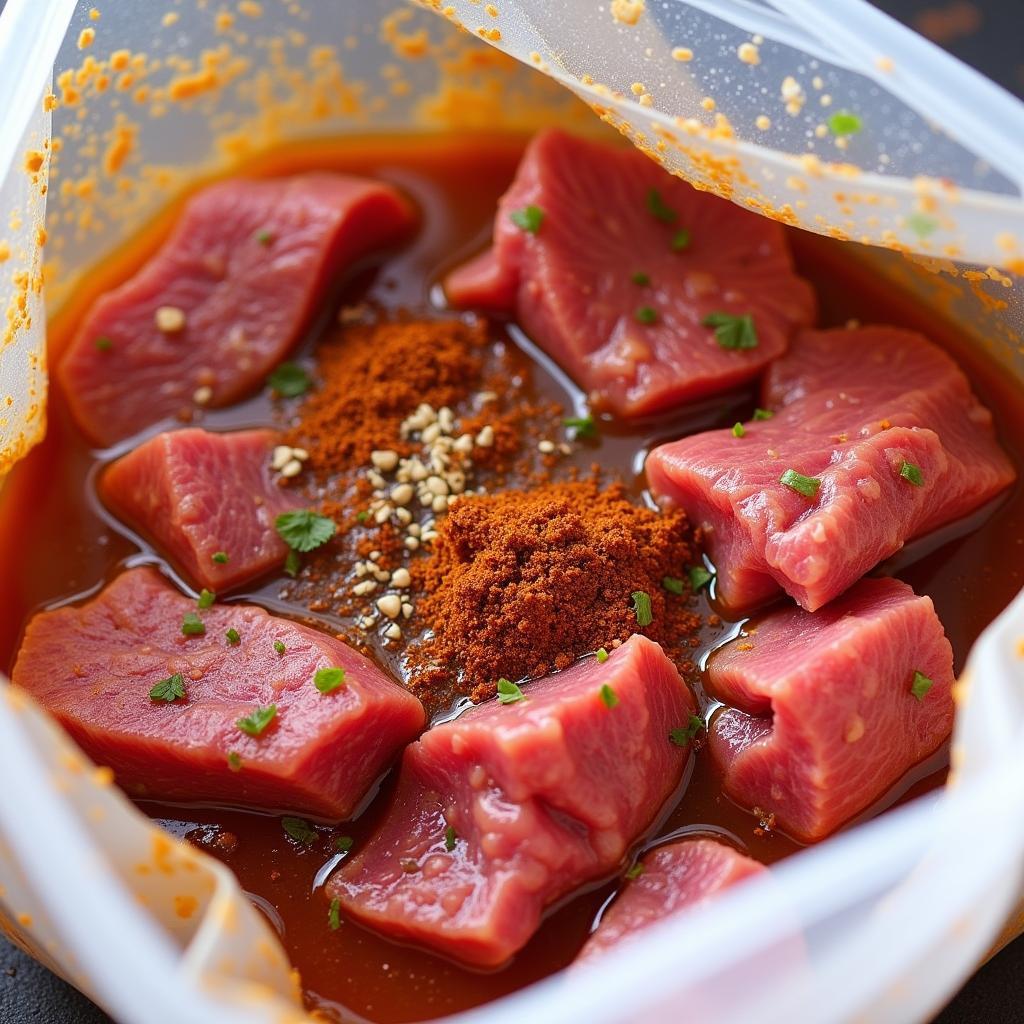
x=56, y=541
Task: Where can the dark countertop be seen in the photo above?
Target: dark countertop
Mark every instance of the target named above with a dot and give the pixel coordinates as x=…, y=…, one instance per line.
x=987, y=34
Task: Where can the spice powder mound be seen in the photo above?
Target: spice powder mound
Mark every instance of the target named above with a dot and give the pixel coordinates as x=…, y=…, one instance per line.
x=522, y=583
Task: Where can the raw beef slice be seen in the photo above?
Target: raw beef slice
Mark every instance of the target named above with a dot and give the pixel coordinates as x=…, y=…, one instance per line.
x=200, y=495
x=829, y=710
x=241, y=275
x=887, y=425
x=94, y=666
x=511, y=807
x=620, y=265
x=674, y=878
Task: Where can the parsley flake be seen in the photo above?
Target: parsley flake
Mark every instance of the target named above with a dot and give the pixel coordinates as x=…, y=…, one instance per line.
x=206, y=598
x=220, y=557
x=343, y=843
x=659, y=209
x=264, y=237
x=279, y=647
x=640, y=277
x=305, y=530
x=292, y=564
x=234, y=761
x=672, y=584
x=334, y=915
x=192, y=625
x=362, y=517
x=805, y=485
x=843, y=122
x=582, y=426
x=922, y=225
x=642, y=608
x=528, y=219
x=684, y=736
x=449, y=838
x=327, y=680
x=299, y=829
x=738, y=430
x=508, y=692
x=602, y=655
x=170, y=689
x=700, y=577
x=232, y=637
x=920, y=685
x=732, y=331
x=646, y=315
x=254, y=724
x=912, y=474
x=681, y=240
x=103, y=343
x=608, y=696
x=634, y=872
x=289, y=380
x=763, y=414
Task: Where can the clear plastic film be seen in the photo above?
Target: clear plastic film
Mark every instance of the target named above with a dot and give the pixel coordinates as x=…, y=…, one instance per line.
x=828, y=116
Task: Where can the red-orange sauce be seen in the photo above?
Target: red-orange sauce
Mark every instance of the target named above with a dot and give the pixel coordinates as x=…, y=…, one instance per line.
x=55, y=542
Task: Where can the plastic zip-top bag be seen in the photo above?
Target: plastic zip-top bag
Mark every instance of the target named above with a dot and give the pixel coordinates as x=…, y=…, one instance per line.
x=830, y=117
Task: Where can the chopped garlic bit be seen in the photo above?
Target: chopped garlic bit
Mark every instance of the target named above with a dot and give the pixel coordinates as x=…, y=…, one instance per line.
x=628, y=12
x=169, y=319
x=748, y=53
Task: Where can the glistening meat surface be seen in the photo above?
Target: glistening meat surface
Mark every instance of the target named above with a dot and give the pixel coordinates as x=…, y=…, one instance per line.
x=510, y=807
x=93, y=667
x=888, y=443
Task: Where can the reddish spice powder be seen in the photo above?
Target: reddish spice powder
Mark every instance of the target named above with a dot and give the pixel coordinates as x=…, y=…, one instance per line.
x=522, y=583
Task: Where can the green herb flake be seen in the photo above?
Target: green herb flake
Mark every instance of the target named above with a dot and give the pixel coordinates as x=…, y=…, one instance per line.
x=920, y=685
x=334, y=915
x=602, y=656
x=805, y=485
x=343, y=843
x=103, y=343
x=449, y=838
x=232, y=637
x=912, y=474
x=192, y=625
x=738, y=430
x=256, y=723
x=640, y=277
x=608, y=696
x=220, y=557
x=634, y=872
x=681, y=240
x=235, y=761
x=582, y=426
x=206, y=598
x=327, y=680
x=170, y=689
x=684, y=736
x=732, y=331
x=292, y=564
x=642, y=608
x=279, y=647
x=700, y=577
x=922, y=225
x=508, y=692
x=528, y=219
x=304, y=530
x=843, y=122
x=646, y=315
x=289, y=380
x=673, y=584
x=264, y=237
x=299, y=829
x=763, y=414
x=659, y=209
x=363, y=517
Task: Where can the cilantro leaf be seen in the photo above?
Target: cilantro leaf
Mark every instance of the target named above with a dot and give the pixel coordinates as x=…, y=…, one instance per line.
x=170, y=689
x=672, y=584
x=289, y=380
x=192, y=625
x=732, y=331
x=642, y=608
x=582, y=426
x=530, y=218
x=508, y=692
x=602, y=655
x=659, y=209
x=327, y=680
x=449, y=838
x=684, y=736
x=299, y=829
x=305, y=530
x=334, y=915
x=920, y=685
x=805, y=485
x=634, y=872
x=912, y=474
x=699, y=577
x=343, y=843
x=255, y=723
x=843, y=122
x=206, y=598
x=608, y=696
